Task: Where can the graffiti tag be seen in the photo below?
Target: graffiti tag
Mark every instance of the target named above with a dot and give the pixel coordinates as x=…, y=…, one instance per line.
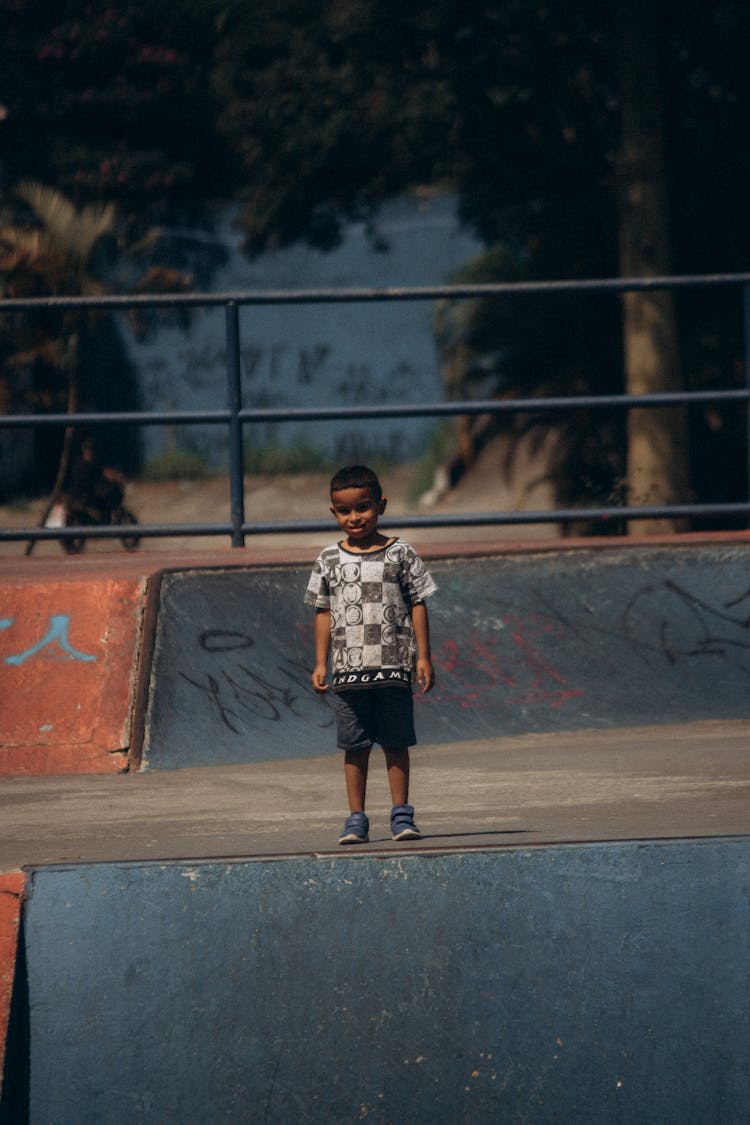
x=236, y=690
x=56, y=635
x=471, y=674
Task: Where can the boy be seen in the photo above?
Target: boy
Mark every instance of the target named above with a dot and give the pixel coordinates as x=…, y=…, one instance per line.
x=369, y=592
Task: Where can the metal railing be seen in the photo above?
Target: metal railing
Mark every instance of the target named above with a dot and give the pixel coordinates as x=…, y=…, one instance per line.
x=235, y=417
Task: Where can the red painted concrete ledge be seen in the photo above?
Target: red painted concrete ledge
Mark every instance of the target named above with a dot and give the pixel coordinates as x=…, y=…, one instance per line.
x=69, y=648
x=11, y=899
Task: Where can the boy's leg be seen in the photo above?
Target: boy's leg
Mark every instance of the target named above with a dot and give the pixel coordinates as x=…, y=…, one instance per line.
x=356, y=764
x=356, y=826
x=397, y=719
x=402, y=813
x=397, y=765
x=353, y=740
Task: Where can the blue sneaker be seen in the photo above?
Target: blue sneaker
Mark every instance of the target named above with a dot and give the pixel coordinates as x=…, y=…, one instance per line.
x=402, y=823
x=356, y=829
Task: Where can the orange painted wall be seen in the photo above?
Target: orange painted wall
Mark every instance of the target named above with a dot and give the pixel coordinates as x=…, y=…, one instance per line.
x=68, y=661
x=11, y=898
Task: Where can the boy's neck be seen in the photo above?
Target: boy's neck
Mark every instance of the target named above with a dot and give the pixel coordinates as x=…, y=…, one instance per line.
x=375, y=543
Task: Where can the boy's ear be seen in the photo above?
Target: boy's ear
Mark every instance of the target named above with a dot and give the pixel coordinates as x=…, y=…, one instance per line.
x=382, y=505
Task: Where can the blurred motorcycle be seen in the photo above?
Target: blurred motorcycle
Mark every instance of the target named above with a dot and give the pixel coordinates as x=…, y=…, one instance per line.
x=99, y=515
x=95, y=498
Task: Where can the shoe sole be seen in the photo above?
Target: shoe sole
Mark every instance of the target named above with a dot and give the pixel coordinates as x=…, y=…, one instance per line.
x=354, y=839
x=408, y=834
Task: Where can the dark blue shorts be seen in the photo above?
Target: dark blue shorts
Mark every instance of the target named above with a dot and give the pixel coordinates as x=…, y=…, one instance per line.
x=384, y=715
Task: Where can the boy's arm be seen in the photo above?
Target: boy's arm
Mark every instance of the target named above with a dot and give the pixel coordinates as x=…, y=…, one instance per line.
x=322, y=648
x=421, y=624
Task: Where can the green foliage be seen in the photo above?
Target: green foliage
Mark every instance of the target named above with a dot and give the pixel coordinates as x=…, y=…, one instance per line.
x=439, y=449
x=48, y=356
x=534, y=346
x=112, y=101
x=47, y=254
x=175, y=464
x=309, y=111
x=271, y=459
x=332, y=107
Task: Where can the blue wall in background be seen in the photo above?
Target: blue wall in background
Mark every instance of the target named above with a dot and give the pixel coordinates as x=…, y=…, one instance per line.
x=308, y=355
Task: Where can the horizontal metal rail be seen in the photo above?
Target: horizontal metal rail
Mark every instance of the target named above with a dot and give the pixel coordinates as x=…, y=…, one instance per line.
x=404, y=410
x=235, y=417
x=468, y=519
x=616, y=285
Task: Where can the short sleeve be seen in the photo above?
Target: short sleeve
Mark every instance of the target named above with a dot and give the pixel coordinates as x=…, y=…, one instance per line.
x=416, y=580
x=317, y=593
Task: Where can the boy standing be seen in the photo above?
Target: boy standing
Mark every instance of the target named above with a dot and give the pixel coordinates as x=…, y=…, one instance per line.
x=369, y=592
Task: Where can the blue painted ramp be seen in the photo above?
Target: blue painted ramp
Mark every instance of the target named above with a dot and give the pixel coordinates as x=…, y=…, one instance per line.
x=561, y=641
x=583, y=984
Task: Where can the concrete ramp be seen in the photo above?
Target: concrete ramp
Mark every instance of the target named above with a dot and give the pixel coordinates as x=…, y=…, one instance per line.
x=557, y=641
x=580, y=984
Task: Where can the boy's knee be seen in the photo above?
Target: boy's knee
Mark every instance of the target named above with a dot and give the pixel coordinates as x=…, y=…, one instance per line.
x=357, y=753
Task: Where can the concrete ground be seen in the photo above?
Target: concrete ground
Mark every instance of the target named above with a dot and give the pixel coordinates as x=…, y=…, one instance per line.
x=676, y=781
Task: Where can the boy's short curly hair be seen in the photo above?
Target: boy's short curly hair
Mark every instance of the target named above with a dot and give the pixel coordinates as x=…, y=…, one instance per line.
x=357, y=476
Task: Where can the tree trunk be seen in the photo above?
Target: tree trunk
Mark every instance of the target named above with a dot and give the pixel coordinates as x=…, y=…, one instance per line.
x=658, y=456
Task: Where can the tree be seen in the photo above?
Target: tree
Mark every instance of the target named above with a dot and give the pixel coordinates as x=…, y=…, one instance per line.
x=50, y=259
x=51, y=255
x=547, y=119
x=505, y=102
x=308, y=113
x=332, y=108
x=113, y=102
x=658, y=458
x=536, y=346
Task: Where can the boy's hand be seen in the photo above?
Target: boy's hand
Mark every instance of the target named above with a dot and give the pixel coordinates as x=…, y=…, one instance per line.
x=320, y=671
x=425, y=675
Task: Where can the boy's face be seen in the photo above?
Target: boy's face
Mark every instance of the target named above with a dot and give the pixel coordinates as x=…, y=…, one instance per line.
x=357, y=513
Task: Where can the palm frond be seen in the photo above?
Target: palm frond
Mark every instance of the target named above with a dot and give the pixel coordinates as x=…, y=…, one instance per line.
x=20, y=247
x=73, y=233
x=50, y=205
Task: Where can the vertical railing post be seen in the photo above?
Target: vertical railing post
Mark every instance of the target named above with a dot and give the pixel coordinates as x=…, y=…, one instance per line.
x=234, y=396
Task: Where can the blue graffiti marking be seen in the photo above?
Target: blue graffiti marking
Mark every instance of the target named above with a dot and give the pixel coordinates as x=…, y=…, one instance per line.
x=57, y=632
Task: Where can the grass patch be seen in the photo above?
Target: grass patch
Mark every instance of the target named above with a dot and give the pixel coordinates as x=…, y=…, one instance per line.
x=175, y=464
x=439, y=449
x=270, y=460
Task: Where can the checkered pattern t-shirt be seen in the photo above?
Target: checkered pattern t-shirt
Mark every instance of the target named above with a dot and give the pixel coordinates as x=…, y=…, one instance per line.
x=369, y=596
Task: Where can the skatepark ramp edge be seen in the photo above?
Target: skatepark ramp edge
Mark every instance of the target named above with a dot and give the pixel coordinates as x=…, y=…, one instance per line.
x=571, y=983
